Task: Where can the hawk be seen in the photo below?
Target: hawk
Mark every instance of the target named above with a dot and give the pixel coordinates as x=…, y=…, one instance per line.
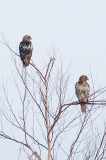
x=25, y=50
x=82, y=91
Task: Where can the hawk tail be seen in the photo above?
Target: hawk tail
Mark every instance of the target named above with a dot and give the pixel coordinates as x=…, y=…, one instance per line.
x=83, y=108
x=26, y=61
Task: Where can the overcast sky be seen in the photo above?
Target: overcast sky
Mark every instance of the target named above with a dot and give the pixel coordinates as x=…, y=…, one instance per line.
x=77, y=29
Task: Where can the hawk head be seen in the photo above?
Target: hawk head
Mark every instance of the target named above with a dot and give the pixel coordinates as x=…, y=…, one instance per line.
x=83, y=78
x=27, y=38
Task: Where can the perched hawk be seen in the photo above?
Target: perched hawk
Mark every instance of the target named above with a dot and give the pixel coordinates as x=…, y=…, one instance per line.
x=82, y=91
x=25, y=49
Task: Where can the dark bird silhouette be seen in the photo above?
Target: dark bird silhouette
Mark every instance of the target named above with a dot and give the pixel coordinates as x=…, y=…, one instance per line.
x=25, y=49
x=82, y=91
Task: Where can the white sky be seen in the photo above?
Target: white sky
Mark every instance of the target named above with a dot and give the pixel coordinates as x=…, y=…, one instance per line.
x=77, y=28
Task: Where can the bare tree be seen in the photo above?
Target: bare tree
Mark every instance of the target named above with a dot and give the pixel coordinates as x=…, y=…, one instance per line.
x=48, y=122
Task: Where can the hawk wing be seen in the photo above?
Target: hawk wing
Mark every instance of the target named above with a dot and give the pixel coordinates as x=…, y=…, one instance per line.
x=86, y=91
x=25, y=50
x=82, y=91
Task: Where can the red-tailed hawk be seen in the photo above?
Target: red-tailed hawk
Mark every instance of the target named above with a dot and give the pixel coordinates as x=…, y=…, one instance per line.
x=82, y=91
x=25, y=49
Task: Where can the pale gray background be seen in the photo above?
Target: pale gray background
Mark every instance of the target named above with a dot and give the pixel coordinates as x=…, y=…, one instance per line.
x=77, y=29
